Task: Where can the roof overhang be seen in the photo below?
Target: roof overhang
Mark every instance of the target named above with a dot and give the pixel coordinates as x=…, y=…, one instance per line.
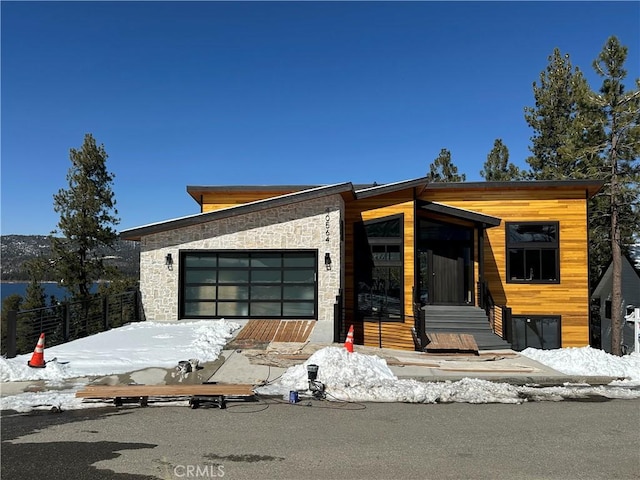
x=257, y=206
x=486, y=221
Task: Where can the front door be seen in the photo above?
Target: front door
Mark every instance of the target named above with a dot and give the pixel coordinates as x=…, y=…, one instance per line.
x=445, y=264
x=442, y=276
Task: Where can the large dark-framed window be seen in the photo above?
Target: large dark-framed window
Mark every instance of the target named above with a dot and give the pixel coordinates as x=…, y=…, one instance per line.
x=536, y=331
x=249, y=284
x=533, y=252
x=379, y=269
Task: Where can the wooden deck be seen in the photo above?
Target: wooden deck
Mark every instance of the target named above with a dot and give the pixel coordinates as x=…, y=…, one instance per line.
x=276, y=331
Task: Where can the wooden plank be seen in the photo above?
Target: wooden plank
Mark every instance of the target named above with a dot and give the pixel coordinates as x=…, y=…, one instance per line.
x=125, y=391
x=285, y=332
x=248, y=330
x=260, y=330
x=295, y=331
x=441, y=342
x=270, y=330
x=305, y=331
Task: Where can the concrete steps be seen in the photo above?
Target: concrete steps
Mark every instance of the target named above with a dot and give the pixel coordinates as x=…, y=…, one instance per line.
x=463, y=319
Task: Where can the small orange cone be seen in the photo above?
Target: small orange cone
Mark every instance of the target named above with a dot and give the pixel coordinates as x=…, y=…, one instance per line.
x=37, y=359
x=348, y=344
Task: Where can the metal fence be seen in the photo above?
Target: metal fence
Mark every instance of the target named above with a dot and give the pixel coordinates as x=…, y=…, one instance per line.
x=69, y=321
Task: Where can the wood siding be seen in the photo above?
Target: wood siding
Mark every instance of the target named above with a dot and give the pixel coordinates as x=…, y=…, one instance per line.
x=394, y=334
x=217, y=201
x=570, y=297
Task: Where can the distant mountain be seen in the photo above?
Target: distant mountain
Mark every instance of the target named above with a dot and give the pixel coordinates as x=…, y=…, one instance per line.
x=17, y=249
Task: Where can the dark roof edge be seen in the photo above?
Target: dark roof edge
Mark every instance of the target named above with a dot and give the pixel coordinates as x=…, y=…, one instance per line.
x=259, y=205
x=470, y=215
x=519, y=183
x=391, y=187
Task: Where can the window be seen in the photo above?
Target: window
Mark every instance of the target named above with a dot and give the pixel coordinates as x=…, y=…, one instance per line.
x=533, y=252
x=536, y=331
x=379, y=269
x=260, y=284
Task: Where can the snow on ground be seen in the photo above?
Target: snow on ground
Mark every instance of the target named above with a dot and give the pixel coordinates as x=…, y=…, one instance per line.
x=587, y=361
x=348, y=377
x=125, y=349
x=366, y=378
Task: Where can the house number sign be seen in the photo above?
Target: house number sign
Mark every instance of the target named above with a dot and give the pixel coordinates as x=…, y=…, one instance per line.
x=327, y=219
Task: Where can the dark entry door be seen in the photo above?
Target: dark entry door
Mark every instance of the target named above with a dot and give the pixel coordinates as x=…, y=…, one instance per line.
x=448, y=275
x=446, y=279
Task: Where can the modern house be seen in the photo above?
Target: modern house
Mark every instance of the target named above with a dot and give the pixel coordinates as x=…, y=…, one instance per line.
x=397, y=261
x=602, y=307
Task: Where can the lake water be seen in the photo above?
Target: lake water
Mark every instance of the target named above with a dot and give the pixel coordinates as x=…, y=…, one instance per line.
x=20, y=288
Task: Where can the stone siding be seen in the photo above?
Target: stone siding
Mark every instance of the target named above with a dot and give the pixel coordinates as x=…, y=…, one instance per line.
x=314, y=224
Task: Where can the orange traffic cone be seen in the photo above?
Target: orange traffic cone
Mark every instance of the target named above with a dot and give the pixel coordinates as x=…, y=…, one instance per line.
x=348, y=344
x=37, y=359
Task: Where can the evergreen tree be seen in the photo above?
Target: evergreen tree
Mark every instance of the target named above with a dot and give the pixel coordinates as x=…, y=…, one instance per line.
x=619, y=120
x=583, y=134
x=29, y=327
x=443, y=170
x=558, y=131
x=87, y=219
x=35, y=296
x=497, y=168
x=11, y=302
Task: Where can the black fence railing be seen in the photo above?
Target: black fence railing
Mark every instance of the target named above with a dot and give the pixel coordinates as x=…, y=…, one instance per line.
x=485, y=297
x=68, y=321
x=507, y=331
x=419, y=331
x=497, y=314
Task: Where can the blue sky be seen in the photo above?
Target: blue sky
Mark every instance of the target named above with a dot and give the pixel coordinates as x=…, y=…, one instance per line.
x=258, y=93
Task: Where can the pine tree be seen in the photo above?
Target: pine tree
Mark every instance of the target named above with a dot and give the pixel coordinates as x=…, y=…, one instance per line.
x=35, y=297
x=11, y=302
x=619, y=120
x=497, y=168
x=558, y=134
x=87, y=220
x=443, y=170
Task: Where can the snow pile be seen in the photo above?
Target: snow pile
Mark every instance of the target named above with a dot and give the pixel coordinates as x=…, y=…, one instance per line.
x=338, y=368
x=125, y=349
x=588, y=361
x=367, y=378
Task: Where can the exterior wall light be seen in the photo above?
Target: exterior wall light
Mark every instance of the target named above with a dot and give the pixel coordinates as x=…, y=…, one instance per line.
x=168, y=260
